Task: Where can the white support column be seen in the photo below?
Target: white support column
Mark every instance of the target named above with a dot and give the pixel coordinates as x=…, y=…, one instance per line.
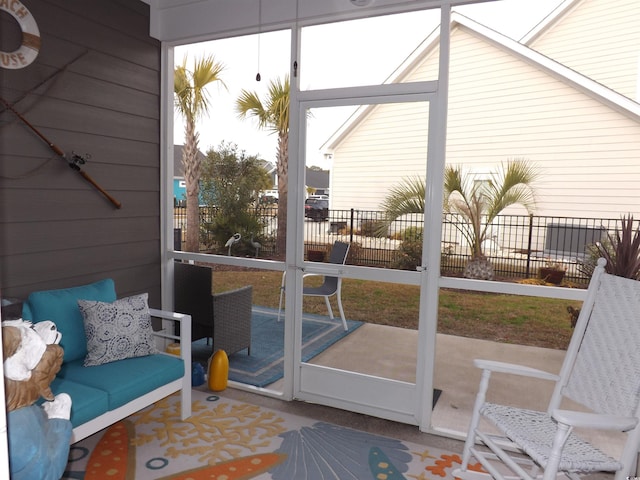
x=430, y=277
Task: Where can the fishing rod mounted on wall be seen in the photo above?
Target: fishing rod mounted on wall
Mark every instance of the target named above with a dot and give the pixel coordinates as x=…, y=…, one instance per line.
x=74, y=160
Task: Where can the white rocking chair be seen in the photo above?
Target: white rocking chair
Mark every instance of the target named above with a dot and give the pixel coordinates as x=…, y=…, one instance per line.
x=601, y=371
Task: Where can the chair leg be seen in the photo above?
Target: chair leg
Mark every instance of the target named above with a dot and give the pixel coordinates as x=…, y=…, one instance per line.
x=475, y=419
x=344, y=321
x=326, y=300
x=555, y=455
x=281, y=295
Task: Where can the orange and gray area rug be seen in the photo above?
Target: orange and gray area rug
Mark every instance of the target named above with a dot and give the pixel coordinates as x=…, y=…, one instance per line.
x=229, y=440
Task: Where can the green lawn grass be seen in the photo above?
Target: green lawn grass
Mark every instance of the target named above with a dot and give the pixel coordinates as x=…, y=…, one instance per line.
x=516, y=319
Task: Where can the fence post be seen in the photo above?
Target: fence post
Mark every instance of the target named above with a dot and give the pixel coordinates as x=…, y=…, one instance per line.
x=528, y=271
x=351, y=229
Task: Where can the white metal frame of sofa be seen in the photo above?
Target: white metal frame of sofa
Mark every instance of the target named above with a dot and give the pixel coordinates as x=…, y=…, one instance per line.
x=169, y=319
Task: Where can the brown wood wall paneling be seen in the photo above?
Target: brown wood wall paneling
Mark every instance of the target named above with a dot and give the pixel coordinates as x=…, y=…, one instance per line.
x=46, y=236
x=56, y=175
x=56, y=231
x=69, y=267
x=19, y=142
x=44, y=205
x=51, y=115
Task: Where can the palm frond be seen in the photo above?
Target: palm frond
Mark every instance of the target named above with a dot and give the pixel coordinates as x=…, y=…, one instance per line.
x=272, y=112
x=190, y=86
x=512, y=185
x=479, y=202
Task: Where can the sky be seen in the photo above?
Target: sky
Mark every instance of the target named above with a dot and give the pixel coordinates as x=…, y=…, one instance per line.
x=332, y=56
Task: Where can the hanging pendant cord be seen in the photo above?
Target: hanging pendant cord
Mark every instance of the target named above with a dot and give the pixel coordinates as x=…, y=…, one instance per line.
x=259, y=32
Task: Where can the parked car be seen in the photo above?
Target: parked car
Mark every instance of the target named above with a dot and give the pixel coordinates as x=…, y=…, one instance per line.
x=316, y=208
x=268, y=200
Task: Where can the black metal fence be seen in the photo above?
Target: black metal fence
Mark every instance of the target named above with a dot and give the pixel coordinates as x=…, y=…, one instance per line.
x=517, y=245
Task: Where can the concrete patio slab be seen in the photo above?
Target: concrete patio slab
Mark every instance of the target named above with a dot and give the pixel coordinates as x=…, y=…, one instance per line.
x=390, y=352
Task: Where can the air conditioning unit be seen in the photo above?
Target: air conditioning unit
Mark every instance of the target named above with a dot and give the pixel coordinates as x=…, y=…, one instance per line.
x=571, y=241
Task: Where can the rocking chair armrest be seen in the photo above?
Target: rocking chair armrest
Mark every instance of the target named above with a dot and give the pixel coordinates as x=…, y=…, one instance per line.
x=595, y=420
x=503, y=367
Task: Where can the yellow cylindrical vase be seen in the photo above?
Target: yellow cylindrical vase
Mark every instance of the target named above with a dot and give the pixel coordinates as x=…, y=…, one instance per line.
x=218, y=371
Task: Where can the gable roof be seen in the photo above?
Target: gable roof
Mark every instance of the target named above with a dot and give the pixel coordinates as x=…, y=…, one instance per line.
x=568, y=76
x=596, y=38
x=548, y=21
x=559, y=71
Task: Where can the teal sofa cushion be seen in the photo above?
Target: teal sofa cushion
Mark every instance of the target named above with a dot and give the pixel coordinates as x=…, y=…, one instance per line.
x=61, y=307
x=86, y=402
x=125, y=380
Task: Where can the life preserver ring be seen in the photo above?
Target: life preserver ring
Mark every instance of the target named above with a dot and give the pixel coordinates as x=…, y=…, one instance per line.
x=30, y=46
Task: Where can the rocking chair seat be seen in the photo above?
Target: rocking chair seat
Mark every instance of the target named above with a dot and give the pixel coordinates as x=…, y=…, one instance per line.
x=577, y=454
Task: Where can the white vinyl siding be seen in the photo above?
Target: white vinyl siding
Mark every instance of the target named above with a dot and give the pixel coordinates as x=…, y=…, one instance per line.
x=601, y=40
x=391, y=143
x=502, y=106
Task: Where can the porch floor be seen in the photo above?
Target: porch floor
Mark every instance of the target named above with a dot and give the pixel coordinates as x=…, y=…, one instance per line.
x=390, y=352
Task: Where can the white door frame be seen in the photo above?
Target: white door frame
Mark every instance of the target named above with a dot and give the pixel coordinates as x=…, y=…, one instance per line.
x=381, y=397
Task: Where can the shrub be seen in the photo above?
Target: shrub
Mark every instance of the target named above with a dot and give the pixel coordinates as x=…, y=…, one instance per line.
x=621, y=250
x=410, y=250
x=369, y=228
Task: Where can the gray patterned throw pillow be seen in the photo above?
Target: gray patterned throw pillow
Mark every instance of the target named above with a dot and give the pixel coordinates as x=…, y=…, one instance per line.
x=117, y=330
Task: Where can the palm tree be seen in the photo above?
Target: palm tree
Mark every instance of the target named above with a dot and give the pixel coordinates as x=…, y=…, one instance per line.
x=479, y=203
x=192, y=102
x=273, y=115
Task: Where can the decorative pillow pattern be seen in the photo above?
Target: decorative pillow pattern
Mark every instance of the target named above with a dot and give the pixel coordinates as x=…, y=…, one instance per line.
x=117, y=330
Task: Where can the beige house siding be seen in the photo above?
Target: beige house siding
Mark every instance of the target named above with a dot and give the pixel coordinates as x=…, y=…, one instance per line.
x=599, y=39
x=390, y=144
x=504, y=106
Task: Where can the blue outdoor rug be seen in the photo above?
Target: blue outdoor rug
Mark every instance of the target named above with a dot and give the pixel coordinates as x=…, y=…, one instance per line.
x=265, y=364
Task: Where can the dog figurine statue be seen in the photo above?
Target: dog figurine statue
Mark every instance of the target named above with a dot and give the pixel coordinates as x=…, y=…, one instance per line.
x=38, y=436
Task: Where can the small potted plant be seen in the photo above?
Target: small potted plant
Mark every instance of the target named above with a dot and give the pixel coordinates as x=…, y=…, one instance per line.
x=553, y=272
x=315, y=255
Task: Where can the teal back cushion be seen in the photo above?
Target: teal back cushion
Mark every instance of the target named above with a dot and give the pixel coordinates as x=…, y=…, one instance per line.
x=61, y=307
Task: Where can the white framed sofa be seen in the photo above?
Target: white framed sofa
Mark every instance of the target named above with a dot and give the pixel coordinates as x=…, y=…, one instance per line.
x=106, y=393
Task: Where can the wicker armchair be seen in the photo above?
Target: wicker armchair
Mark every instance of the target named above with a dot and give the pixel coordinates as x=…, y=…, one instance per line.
x=225, y=317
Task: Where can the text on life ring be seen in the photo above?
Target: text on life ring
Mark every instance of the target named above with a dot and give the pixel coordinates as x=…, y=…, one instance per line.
x=30, y=46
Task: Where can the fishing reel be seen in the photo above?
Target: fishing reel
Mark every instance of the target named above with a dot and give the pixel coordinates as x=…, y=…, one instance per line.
x=76, y=160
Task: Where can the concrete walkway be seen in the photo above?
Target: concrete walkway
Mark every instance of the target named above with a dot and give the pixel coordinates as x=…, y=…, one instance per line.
x=390, y=352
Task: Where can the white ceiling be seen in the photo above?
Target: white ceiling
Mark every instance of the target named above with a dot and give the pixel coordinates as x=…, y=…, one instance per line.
x=177, y=20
